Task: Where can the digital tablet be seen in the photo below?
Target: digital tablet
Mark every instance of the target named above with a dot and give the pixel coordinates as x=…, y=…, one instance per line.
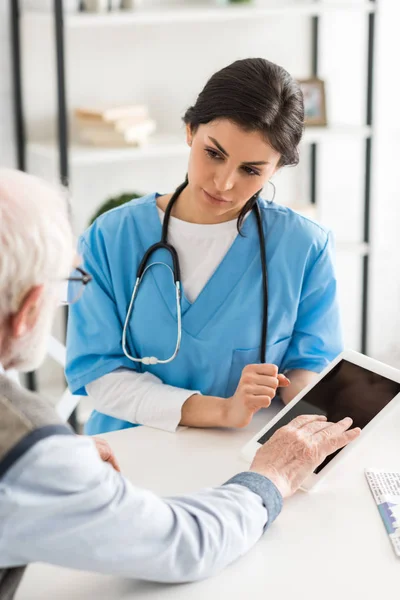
x=353, y=385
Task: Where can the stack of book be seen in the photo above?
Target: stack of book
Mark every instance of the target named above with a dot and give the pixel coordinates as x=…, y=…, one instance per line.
x=127, y=125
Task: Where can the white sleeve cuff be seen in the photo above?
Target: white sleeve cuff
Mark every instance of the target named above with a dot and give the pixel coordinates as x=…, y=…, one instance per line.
x=139, y=398
x=161, y=407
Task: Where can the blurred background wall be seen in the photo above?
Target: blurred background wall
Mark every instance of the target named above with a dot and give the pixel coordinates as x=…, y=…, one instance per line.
x=163, y=61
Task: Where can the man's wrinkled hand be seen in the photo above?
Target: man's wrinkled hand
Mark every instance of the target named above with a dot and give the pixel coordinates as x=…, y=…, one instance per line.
x=105, y=452
x=296, y=450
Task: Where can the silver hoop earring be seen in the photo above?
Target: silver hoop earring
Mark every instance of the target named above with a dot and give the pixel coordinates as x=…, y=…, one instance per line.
x=274, y=188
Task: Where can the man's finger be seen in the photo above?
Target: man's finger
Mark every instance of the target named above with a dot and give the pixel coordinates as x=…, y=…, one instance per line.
x=345, y=438
x=335, y=429
x=105, y=452
x=113, y=461
x=304, y=420
x=316, y=426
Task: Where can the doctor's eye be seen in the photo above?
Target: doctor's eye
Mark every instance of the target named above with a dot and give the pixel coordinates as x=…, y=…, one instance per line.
x=213, y=154
x=251, y=171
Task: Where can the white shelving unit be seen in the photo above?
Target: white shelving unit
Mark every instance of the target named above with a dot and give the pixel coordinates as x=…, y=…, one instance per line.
x=158, y=147
x=167, y=145
x=145, y=30
x=204, y=14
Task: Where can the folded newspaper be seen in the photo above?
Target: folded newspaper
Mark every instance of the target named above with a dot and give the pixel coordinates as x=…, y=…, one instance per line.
x=385, y=488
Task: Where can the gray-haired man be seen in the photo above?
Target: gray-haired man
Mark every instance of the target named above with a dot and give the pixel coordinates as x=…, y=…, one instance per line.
x=92, y=518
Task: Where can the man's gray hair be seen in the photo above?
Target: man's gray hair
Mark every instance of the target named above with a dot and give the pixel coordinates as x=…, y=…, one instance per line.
x=36, y=240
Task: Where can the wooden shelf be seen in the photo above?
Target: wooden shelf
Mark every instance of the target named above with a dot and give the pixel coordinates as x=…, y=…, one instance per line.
x=196, y=14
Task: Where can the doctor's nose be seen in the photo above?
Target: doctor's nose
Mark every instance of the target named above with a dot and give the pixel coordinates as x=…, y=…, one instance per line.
x=224, y=182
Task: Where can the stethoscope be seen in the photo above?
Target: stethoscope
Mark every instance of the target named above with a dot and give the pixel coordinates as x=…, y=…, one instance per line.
x=176, y=275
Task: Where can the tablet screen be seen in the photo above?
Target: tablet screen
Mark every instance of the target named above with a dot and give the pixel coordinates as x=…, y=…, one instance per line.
x=348, y=390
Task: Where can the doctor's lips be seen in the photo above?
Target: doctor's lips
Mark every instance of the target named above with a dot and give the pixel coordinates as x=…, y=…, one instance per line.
x=216, y=198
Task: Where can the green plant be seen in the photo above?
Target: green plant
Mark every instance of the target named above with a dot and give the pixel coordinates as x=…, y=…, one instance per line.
x=111, y=203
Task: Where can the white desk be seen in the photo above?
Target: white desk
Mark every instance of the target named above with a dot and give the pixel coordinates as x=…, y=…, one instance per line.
x=330, y=544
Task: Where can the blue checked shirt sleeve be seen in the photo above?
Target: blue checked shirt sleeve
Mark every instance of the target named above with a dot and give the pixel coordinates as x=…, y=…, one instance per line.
x=60, y=504
x=264, y=488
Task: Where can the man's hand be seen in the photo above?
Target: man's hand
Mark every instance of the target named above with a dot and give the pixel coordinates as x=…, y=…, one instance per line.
x=257, y=387
x=296, y=450
x=106, y=454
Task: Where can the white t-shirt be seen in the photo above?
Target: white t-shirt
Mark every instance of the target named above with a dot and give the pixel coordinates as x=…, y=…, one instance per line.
x=142, y=397
x=200, y=248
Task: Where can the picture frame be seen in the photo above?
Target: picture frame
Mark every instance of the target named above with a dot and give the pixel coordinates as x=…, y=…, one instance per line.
x=314, y=102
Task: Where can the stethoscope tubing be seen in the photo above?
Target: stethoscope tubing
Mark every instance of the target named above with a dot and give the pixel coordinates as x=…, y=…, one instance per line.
x=176, y=275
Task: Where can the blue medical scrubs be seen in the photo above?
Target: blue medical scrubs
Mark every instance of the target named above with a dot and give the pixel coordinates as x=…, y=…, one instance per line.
x=221, y=330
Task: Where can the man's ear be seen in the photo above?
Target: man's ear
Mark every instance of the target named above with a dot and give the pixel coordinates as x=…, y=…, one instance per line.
x=25, y=319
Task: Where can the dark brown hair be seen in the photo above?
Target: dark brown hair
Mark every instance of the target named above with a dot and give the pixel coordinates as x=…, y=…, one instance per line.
x=257, y=95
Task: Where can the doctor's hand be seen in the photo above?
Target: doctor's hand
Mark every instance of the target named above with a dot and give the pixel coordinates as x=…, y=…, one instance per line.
x=257, y=387
x=105, y=452
x=297, y=449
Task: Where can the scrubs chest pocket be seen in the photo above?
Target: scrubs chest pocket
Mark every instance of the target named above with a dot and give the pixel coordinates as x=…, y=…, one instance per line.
x=241, y=358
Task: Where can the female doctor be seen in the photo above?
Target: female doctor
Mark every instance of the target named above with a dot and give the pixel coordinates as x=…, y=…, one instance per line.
x=240, y=291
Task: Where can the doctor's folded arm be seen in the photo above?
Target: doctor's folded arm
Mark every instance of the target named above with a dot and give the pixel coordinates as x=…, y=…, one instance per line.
x=208, y=301
x=243, y=293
